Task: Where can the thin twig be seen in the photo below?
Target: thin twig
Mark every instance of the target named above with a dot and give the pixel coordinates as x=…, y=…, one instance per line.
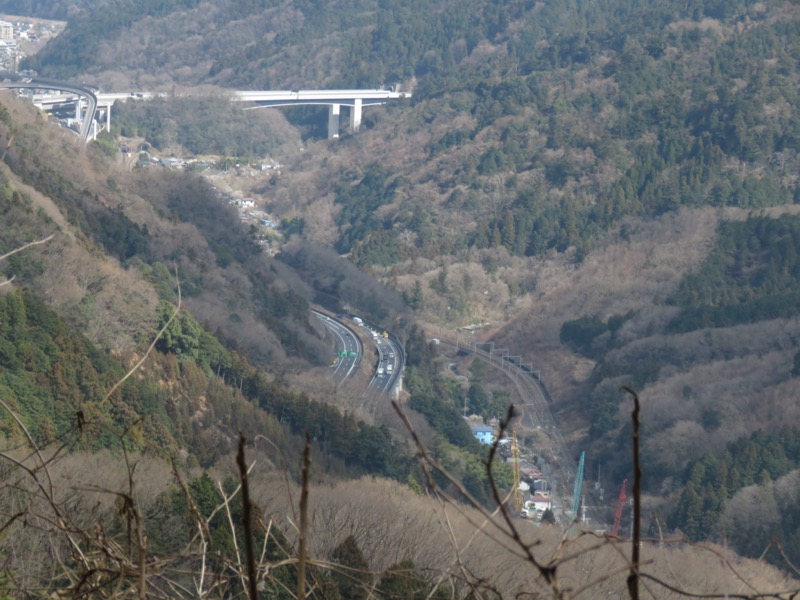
x=301, y=547
x=26, y=246
x=247, y=524
x=226, y=503
x=633, y=578
x=426, y=463
x=548, y=572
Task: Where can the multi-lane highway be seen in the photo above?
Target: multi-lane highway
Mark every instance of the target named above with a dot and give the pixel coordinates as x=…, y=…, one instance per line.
x=348, y=347
x=347, y=334
x=390, y=363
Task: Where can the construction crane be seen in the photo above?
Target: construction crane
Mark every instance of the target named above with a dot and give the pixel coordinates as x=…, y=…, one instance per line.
x=517, y=478
x=620, y=503
x=576, y=494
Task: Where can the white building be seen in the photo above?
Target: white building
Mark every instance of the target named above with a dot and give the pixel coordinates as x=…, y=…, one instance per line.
x=6, y=30
x=539, y=503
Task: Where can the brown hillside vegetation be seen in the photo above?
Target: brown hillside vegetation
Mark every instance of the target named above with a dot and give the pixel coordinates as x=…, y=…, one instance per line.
x=113, y=306
x=741, y=371
x=391, y=522
x=558, y=162
x=454, y=544
x=137, y=218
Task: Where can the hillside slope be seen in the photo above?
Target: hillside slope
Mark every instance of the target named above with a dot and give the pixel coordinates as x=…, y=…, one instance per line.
x=114, y=252
x=626, y=169
x=166, y=229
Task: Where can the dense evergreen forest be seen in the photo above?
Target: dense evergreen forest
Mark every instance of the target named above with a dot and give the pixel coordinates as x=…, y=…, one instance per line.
x=652, y=128
x=58, y=382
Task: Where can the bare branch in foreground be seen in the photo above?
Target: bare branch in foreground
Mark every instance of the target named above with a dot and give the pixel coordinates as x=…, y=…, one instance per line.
x=301, y=550
x=633, y=578
x=247, y=521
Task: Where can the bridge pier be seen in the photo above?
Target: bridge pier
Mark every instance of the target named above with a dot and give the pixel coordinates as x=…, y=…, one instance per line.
x=334, y=110
x=355, y=115
x=86, y=108
x=333, y=121
x=85, y=95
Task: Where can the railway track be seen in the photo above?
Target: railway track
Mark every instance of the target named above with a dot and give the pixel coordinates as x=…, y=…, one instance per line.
x=535, y=415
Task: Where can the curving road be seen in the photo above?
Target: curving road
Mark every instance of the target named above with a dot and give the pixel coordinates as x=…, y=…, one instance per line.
x=348, y=347
x=347, y=336
x=15, y=81
x=391, y=361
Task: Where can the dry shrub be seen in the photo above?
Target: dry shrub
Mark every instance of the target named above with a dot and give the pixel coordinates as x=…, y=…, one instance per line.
x=456, y=542
x=453, y=542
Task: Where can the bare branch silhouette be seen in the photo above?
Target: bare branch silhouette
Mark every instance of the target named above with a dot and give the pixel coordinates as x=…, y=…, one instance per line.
x=247, y=521
x=633, y=578
x=301, y=550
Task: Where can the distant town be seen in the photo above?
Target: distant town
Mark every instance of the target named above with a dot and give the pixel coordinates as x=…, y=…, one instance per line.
x=265, y=227
x=22, y=36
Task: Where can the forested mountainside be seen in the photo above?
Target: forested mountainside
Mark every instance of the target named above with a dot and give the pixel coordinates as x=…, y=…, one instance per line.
x=225, y=278
x=103, y=272
x=610, y=188
x=65, y=398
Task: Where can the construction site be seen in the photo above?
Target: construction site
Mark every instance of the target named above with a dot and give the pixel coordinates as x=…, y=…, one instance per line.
x=548, y=484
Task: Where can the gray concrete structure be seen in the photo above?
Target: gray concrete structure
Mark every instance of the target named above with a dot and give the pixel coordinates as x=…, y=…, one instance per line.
x=82, y=93
x=356, y=100
x=335, y=99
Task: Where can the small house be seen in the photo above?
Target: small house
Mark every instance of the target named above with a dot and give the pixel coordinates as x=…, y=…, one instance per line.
x=483, y=433
x=539, y=503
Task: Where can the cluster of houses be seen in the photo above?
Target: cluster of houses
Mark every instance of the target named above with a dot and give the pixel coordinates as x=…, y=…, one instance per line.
x=535, y=493
x=190, y=162
x=269, y=233
x=534, y=488
x=14, y=33
x=252, y=216
x=268, y=228
x=173, y=163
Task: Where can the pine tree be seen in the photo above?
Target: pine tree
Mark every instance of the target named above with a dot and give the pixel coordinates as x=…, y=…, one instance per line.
x=402, y=582
x=352, y=577
x=415, y=301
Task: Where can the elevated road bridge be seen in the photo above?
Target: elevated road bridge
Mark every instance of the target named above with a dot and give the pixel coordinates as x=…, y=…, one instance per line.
x=82, y=93
x=334, y=99
x=88, y=101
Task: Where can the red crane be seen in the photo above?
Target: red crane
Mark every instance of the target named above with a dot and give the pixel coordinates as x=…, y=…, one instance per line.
x=620, y=504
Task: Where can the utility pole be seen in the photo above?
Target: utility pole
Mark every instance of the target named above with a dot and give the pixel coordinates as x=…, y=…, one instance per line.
x=517, y=476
